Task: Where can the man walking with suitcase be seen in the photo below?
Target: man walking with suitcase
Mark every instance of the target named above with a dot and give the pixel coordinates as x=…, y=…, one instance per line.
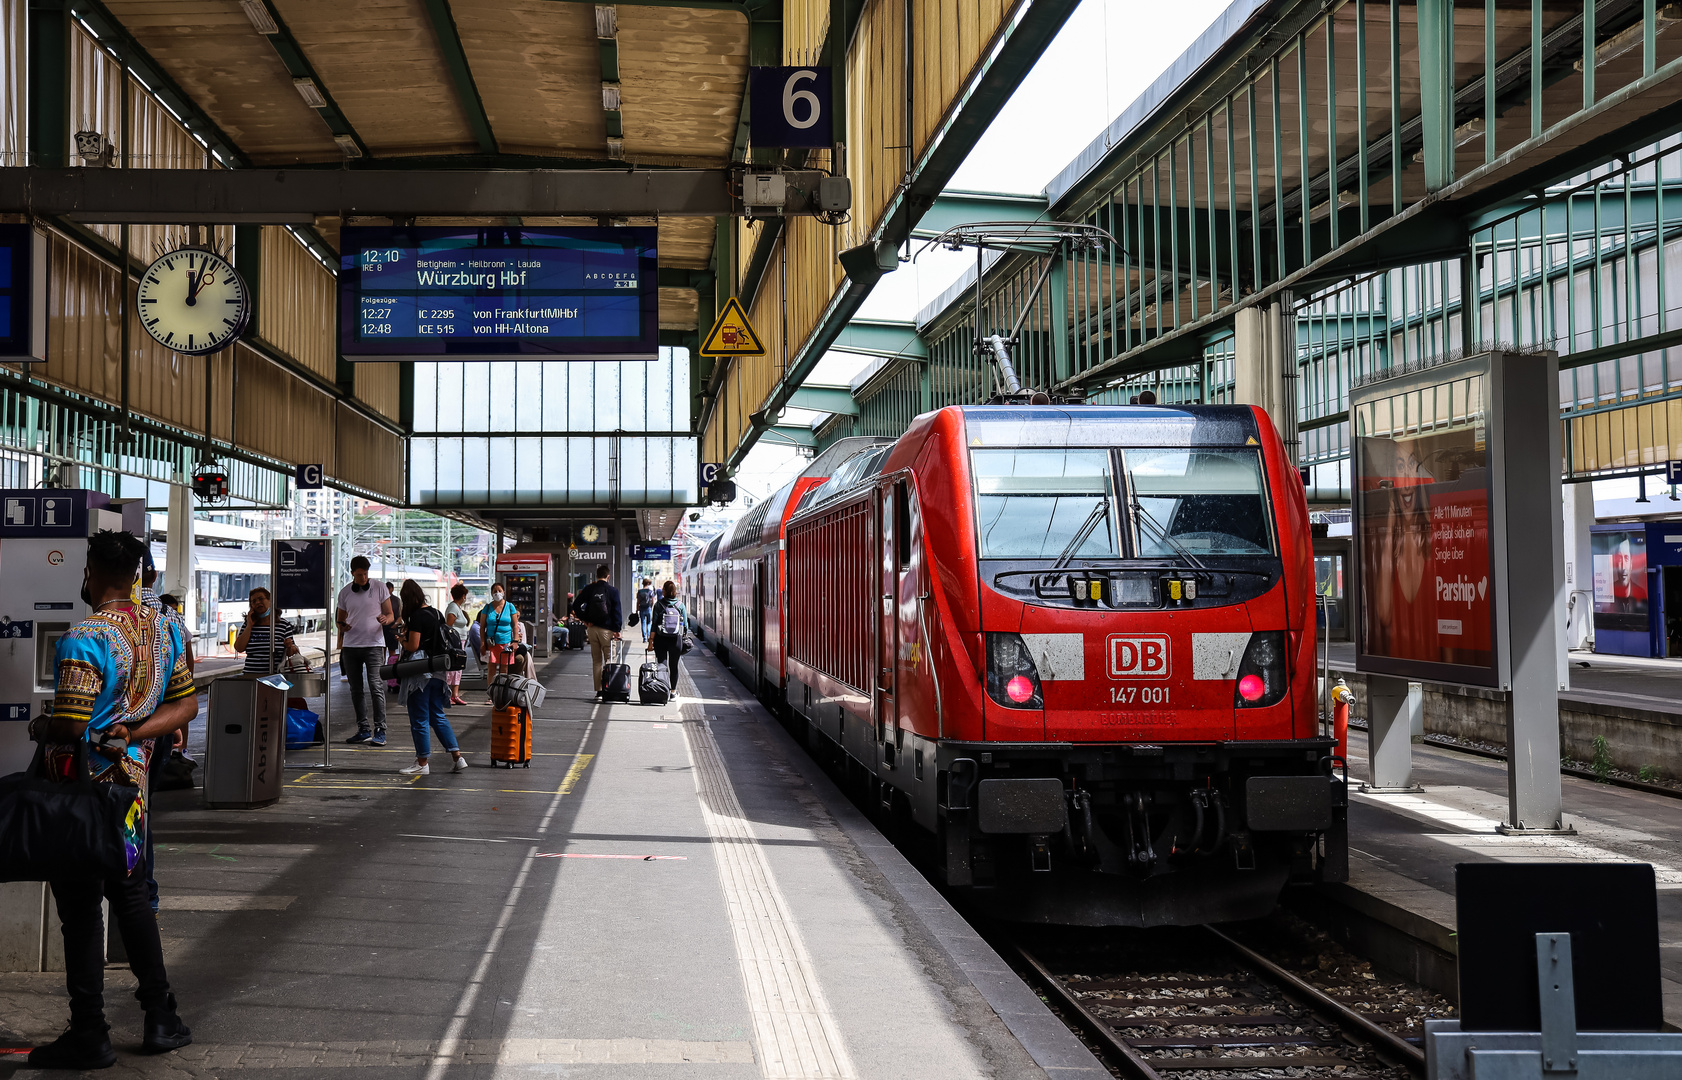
x=598, y=605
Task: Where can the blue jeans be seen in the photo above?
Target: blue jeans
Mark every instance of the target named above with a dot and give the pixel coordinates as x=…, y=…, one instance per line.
x=427, y=707
x=647, y=617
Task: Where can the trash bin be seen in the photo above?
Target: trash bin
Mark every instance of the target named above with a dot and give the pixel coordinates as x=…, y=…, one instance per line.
x=244, y=742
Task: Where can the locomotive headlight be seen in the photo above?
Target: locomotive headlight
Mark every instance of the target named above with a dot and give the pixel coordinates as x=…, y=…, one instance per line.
x=1012, y=679
x=1261, y=675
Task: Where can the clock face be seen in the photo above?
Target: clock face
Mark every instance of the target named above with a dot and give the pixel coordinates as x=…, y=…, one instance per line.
x=590, y=534
x=193, y=301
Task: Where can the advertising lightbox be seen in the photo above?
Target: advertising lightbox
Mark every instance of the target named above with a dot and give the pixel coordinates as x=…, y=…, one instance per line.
x=499, y=294
x=1422, y=503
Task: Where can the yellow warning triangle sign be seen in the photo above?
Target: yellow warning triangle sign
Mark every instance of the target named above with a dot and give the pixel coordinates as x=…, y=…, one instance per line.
x=732, y=334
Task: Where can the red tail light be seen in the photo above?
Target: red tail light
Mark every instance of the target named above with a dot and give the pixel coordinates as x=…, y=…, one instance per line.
x=1251, y=688
x=1012, y=679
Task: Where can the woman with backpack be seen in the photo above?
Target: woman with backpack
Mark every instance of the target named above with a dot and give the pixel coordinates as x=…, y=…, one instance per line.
x=671, y=623
x=425, y=692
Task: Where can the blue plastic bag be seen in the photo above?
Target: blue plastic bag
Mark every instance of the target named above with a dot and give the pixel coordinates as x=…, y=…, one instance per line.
x=303, y=729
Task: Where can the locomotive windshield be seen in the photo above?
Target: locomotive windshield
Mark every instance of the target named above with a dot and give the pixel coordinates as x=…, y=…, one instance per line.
x=1197, y=502
x=1032, y=503
x=1061, y=504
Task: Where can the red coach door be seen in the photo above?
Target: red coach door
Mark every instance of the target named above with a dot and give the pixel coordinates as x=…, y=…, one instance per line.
x=886, y=628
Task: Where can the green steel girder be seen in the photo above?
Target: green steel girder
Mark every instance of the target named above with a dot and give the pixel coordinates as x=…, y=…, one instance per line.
x=455, y=58
x=792, y=435
x=1593, y=211
x=297, y=64
x=880, y=337
x=829, y=399
x=953, y=208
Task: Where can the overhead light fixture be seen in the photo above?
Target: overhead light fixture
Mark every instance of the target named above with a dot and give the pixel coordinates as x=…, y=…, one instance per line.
x=258, y=13
x=607, y=22
x=610, y=96
x=616, y=149
x=347, y=145
x=310, y=92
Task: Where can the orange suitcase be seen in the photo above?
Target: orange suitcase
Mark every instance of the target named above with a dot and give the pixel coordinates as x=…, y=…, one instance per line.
x=511, y=738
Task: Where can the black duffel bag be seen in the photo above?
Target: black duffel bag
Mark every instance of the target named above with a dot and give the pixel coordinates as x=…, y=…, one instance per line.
x=62, y=831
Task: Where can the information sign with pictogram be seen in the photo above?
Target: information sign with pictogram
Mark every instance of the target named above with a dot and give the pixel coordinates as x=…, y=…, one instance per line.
x=732, y=334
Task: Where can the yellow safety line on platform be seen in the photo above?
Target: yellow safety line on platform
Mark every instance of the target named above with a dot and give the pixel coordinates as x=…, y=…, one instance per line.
x=575, y=772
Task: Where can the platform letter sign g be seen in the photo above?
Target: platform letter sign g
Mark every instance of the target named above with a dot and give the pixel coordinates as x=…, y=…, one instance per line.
x=1138, y=656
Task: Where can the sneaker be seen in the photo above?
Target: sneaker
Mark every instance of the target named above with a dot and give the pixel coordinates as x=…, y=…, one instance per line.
x=79, y=1048
x=164, y=1030
x=377, y=740
x=417, y=770
x=460, y=765
x=359, y=737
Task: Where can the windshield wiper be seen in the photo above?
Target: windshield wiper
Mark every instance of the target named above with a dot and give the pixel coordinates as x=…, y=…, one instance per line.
x=1162, y=533
x=1083, y=532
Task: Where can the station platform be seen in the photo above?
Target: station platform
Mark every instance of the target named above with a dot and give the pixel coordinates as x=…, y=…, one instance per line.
x=665, y=892
x=1403, y=849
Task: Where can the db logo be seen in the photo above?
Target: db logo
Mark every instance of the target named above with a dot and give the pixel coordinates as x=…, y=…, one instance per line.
x=55, y=558
x=1139, y=657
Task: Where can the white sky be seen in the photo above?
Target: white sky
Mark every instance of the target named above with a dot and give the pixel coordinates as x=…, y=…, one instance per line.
x=1105, y=56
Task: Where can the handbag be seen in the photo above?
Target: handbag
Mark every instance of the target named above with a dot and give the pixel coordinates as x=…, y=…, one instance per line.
x=688, y=643
x=53, y=831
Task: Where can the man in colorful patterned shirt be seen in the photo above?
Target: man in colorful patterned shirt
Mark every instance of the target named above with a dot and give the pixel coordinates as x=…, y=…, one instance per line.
x=122, y=681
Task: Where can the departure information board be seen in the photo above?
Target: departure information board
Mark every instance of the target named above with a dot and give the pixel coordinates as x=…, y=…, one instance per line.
x=498, y=294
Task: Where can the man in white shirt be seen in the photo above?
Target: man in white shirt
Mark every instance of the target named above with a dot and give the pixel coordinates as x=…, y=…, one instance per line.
x=363, y=614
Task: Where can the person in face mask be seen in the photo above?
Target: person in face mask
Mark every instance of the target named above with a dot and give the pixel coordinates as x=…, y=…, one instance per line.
x=498, y=619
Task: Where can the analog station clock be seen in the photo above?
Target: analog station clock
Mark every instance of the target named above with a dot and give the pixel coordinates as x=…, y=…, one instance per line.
x=589, y=534
x=193, y=301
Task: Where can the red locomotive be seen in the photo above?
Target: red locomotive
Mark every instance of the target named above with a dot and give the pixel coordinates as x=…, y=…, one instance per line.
x=1073, y=644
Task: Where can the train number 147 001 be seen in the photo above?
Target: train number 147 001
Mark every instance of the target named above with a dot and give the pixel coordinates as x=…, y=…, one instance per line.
x=1139, y=695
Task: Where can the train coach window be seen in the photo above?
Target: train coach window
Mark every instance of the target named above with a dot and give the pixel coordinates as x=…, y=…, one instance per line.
x=1031, y=503
x=1200, y=502
x=902, y=524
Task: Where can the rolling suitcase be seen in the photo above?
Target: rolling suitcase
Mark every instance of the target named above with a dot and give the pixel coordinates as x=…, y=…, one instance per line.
x=616, y=678
x=511, y=738
x=652, y=684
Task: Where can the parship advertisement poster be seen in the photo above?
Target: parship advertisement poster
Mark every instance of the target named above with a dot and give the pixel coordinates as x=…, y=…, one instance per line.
x=1423, y=529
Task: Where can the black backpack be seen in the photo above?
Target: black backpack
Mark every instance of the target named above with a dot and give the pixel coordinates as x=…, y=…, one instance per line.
x=596, y=611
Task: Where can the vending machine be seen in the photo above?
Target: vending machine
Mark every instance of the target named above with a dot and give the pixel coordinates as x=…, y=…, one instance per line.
x=529, y=578
x=43, y=550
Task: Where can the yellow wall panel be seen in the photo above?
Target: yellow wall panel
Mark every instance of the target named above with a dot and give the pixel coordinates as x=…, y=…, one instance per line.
x=368, y=456
x=278, y=413
x=379, y=386
x=297, y=303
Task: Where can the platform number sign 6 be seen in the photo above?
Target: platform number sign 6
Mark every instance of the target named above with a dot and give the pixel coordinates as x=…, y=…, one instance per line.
x=790, y=107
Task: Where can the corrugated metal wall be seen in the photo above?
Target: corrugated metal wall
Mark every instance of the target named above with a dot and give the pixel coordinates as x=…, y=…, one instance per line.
x=297, y=303
x=368, y=456
x=278, y=413
x=380, y=387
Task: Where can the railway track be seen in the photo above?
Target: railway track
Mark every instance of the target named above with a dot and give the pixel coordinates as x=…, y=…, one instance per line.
x=1192, y=1003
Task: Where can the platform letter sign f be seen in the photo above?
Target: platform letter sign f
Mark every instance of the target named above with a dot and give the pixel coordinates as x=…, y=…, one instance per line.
x=1139, y=657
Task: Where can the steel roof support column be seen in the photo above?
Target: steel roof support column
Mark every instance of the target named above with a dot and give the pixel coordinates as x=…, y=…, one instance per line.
x=49, y=84
x=1436, y=91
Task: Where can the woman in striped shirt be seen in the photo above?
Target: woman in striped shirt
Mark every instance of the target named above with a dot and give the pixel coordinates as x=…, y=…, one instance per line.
x=266, y=638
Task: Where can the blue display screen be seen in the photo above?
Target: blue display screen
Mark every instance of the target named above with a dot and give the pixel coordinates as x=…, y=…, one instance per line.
x=497, y=293
x=16, y=246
